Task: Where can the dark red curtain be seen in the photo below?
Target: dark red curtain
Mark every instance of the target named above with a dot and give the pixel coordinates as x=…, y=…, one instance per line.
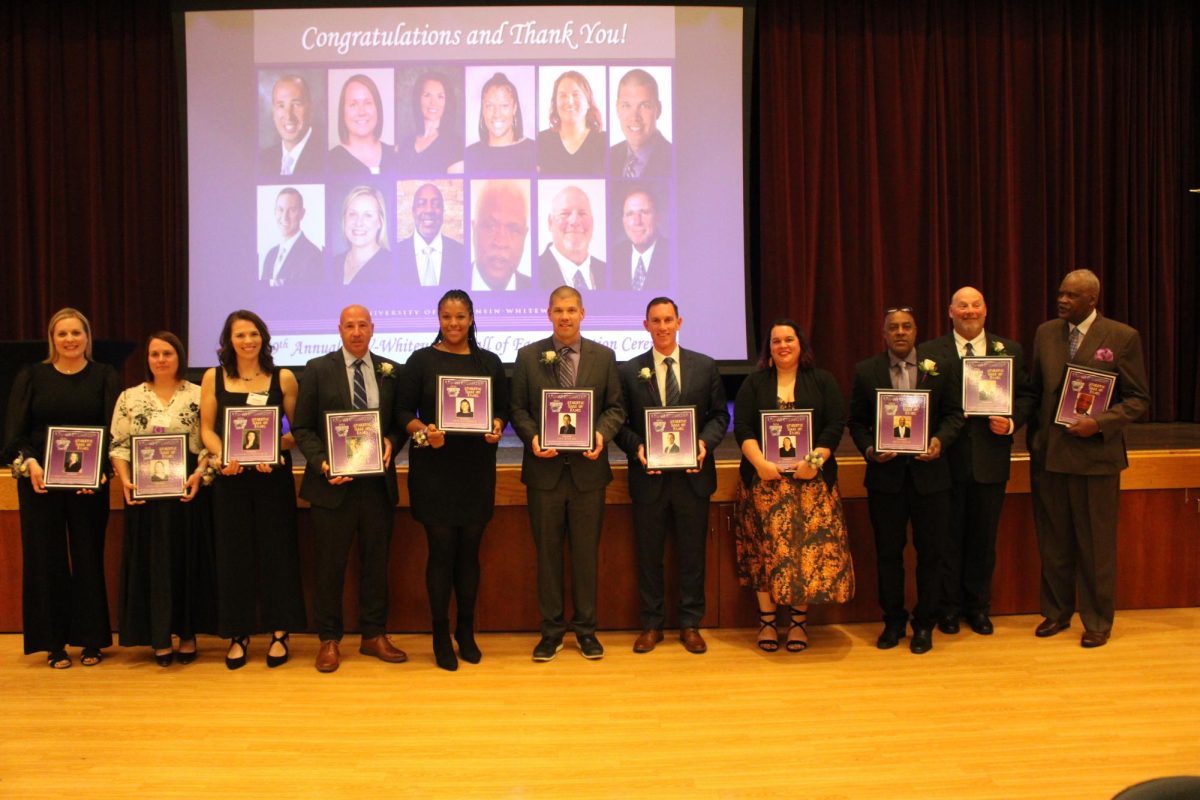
x=898, y=149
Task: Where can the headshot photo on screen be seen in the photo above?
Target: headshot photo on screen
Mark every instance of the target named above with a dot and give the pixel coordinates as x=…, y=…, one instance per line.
x=572, y=229
x=640, y=257
x=500, y=121
x=291, y=235
x=571, y=138
x=360, y=222
x=362, y=122
x=290, y=102
x=429, y=222
x=641, y=137
x=429, y=127
x=500, y=248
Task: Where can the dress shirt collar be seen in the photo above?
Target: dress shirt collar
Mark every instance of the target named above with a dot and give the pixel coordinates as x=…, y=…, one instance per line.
x=646, y=256
x=1084, y=326
x=294, y=152
x=978, y=344
x=569, y=268
x=478, y=284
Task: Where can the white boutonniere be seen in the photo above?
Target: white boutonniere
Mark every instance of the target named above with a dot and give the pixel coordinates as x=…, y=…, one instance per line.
x=997, y=347
x=385, y=370
x=928, y=366
x=549, y=358
x=645, y=374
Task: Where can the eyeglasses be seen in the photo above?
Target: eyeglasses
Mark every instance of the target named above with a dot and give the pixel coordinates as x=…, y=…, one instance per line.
x=890, y=311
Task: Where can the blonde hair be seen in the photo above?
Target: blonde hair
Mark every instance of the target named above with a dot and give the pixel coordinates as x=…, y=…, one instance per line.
x=59, y=316
x=372, y=192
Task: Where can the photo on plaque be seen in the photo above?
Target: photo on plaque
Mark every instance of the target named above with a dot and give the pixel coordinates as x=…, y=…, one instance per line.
x=786, y=437
x=671, y=438
x=987, y=388
x=159, y=465
x=464, y=404
x=567, y=419
x=1085, y=393
x=354, y=442
x=901, y=421
x=251, y=435
x=74, y=457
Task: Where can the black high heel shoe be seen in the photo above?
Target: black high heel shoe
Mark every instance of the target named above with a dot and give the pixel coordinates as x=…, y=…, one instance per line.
x=186, y=656
x=468, y=650
x=239, y=662
x=164, y=659
x=799, y=620
x=443, y=651
x=768, y=645
x=278, y=661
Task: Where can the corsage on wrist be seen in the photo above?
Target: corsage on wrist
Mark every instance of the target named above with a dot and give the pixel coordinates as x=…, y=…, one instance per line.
x=208, y=474
x=420, y=438
x=20, y=469
x=814, y=459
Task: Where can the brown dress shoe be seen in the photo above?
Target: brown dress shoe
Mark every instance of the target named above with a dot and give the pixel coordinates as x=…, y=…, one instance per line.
x=1050, y=627
x=645, y=643
x=1094, y=639
x=328, y=657
x=693, y=642
x=382, y=648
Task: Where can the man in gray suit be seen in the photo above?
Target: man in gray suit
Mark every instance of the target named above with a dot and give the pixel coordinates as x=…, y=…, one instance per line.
x=566, y=490
x=351, y=377
x=1076, y=470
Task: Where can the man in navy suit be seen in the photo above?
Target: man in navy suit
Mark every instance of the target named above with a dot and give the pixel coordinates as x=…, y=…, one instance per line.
x=427, y=258
x=295, y=260
x=668, y=375
x=642, y=260
x=645, y=151
x=301, y=150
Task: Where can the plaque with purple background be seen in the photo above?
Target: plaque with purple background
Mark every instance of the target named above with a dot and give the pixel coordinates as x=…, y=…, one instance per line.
x=786, y=437
x=354, y=442
x=251, y=435
x=901, y=421
x=671, y=438
x=567, y=419
x=74, y=457
x=1085, y=393
x=159, y=465
x=987, y=388
x=464, y=404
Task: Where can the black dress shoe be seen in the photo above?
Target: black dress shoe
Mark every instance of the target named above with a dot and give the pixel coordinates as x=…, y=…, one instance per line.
x=1050, y=627
x=948, y=624
x=980, y=623
x=1094, y=639
x=921, y=641
x=891, y=636
x=590, y=646
x=547, y=649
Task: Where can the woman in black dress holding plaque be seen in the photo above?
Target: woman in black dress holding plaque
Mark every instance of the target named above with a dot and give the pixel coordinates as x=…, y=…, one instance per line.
x=167, y=552
x=62, y=532
x=789, y=530
x=254, y=507
x=452, y=478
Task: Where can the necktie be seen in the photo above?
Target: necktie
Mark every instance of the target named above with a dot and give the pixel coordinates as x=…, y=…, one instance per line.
x=1076, y=338
x=901, y=376
x=566, y=369
x=639, y=275
x=631, y=164
x=428, y=278
x=672, y=383
x=360, y=385
x=970, y=348
x=579, y=282
x=280, y=257
x=289, y=164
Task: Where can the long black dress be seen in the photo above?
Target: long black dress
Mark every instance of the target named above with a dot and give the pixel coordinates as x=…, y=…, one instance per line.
x=63, y=597
x=254, y=525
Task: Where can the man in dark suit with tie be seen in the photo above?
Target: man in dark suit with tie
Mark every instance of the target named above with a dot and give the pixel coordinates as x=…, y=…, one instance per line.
x=668, y=375
x=642, y=260
x=979, y=463
x=568, y=259
x=645, y=151
x=566, y=490
x=1076, y=470
x=904, y=488
x=499, y=228
x=567, y=428
x=428, y=258
x=301, y=149
x=295, y=260
x=351, y=377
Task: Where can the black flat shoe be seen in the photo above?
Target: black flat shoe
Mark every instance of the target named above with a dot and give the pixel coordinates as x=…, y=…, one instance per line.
x=239, y=662
x=278, y=661
x=891, y=636
x=980, y=624
x=468, y=651
x=921, y=641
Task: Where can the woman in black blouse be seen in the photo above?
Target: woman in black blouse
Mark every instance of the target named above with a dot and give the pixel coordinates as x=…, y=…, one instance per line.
x=64, y=601
x=452, y=481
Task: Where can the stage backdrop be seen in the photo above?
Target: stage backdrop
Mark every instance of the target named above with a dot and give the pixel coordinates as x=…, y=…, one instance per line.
x=899, y=149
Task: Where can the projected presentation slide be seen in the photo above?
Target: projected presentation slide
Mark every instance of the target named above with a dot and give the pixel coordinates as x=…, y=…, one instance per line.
x=384, y=156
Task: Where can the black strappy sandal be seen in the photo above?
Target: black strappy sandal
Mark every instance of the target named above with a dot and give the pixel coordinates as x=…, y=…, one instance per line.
x=278, y=661
x=58, y=659
x=798, y=645
x=239, y=662
x=91, y=656
x=768, y=645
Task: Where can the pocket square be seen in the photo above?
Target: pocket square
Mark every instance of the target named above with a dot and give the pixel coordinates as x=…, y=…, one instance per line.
x=1104, y=354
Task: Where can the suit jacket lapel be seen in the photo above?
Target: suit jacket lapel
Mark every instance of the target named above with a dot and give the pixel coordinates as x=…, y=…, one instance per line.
x=342, y=381
x=1091, y=342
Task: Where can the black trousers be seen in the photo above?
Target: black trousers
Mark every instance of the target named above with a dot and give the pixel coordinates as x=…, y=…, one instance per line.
x=930, y=517
x=678, y=508
x=367, y=513
x=969, y=558
x=557, y=516
x=63, y=598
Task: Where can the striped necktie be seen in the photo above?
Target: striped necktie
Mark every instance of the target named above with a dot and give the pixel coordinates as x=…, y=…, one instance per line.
x=360, y=385
x=672, y=383
x=566, y=369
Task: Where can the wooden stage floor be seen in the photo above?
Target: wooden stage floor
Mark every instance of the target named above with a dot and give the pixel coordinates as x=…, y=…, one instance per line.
x=1008, y=716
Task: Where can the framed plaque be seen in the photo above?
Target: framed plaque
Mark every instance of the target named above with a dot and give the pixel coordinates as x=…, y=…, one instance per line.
x=1085, y=393
x=987, y=387
x=901, y=421
x=159, y=465
x=464, y=405
x=671, y=438
x=354, y=440
x=567, y=419
x=786, y=437
x=251, y=435
x=74, y=457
